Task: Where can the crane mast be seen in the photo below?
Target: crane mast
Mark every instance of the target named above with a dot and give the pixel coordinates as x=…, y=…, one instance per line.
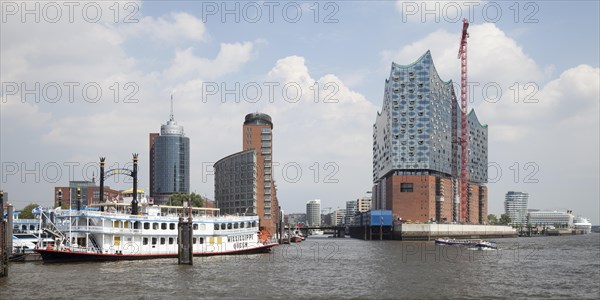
x=464, y=128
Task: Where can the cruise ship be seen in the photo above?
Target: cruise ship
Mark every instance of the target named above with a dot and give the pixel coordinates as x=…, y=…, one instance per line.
x=582, y=225
x=110, y=232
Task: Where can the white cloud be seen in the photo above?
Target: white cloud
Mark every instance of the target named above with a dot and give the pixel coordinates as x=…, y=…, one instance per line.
x=174, y=27
x=492, y=56
x=231, y=57
x=574, y=94
x=507, y=133
x=16, y=115
x=293, y=69
x=335, y=119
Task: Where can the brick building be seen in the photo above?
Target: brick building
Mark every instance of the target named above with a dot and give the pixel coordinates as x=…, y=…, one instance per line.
x=90, y=194
x=244, y=181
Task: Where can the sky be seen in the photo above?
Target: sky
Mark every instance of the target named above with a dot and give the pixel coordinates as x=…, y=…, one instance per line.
x=82, y=80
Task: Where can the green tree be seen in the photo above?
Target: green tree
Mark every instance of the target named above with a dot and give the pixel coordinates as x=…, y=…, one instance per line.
x=178, y=199
x=504, y=219
x=492, y=219
x=26, y=212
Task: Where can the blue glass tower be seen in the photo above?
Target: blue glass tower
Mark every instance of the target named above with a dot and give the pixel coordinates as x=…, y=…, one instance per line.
x=169, y=161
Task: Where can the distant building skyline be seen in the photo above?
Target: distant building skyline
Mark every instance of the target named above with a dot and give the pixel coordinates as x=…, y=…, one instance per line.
x=169, y=161
x=294, y=219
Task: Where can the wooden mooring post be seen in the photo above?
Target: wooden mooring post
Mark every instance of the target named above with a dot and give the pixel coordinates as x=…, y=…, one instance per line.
x=3, y=239
x=185, y=254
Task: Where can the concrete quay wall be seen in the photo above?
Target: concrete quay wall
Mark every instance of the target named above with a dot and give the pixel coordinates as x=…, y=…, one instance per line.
x=403, y=231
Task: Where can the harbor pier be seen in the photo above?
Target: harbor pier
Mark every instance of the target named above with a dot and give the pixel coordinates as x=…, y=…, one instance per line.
x=373, y=225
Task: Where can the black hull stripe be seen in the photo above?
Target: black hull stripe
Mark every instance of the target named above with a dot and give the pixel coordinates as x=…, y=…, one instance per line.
x=67, y=256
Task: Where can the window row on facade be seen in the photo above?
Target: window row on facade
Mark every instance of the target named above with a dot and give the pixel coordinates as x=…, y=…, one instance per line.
x=235, y=225
x=165, y=241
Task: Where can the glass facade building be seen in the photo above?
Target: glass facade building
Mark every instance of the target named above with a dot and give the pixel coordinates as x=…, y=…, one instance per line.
x=417, y=144
x=515, y=206
x=169, y=162
x=235, y=183
x=313, y=213
x=414, y=130
x=350, y=211
x=478, y=144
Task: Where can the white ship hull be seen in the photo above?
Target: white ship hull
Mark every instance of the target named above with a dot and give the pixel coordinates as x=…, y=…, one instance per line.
x=582, y=225
x=95, y=235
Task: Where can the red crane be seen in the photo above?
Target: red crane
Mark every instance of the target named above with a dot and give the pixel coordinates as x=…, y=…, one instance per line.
x=464, y=128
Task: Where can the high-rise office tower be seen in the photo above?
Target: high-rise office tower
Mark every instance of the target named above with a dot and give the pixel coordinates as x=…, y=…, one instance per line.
x=234, y=190
x=350, y=211
x=515, y=206
x=169, y=161
x=416, y=148
x=313, y=213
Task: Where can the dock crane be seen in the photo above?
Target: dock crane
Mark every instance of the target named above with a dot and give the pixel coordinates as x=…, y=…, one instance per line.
x=464, y=128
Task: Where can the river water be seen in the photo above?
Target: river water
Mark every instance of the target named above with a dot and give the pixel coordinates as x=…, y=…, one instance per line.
x=320, y=267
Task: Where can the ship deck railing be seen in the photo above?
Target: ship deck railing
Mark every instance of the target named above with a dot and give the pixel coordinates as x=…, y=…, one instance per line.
x=167, y=217
x=112, y=230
